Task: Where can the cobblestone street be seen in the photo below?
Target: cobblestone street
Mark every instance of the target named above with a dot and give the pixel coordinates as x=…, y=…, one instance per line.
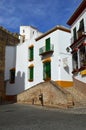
x=26, y=117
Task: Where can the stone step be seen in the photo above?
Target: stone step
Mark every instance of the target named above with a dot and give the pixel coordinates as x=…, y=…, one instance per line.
x=80, y=104
x=77, y=95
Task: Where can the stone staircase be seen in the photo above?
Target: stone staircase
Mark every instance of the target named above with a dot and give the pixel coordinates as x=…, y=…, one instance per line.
x=67, y=93
x=53, y=95
x=79, y=99
x=80, y=86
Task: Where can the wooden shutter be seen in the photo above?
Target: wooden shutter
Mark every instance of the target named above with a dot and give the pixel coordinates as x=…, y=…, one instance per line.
x=81, y=27
x=31, y=73
x=46, y=70
x=74, y=34
x=31, y=53
x=48, y=44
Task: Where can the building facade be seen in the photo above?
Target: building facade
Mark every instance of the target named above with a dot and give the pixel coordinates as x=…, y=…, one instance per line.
x=41, y=58
x=7, y=42
x=78, y=45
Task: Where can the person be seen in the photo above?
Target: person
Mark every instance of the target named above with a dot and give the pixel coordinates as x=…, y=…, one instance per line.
x=41, y=98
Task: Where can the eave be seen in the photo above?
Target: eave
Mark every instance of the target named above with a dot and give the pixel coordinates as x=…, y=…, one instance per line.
x=62, y=28
x=76, y=14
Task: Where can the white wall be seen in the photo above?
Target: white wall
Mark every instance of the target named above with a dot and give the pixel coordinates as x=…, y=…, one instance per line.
x=61, y=40
x=22, y=63
x=58, y=72
x=21, y=71
x=76, y=24
x=25, y=30
x=10, y=58
x=29, y=32
x=65, y=72
x=77, y=21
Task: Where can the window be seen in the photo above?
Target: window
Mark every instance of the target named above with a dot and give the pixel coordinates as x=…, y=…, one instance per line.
x=23, y=38
x=23, y=31
x=81, y=26
x=75, y=61
x=47, y=44
x=31, y=73
x=12, y=75
x=31, y=53
x=74, y=34
x=47, y=70
x=82, y=54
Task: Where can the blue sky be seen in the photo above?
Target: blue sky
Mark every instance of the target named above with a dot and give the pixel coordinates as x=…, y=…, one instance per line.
x=42, y=14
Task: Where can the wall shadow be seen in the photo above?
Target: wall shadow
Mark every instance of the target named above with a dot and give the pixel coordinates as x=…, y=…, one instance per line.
x=66, y=69
x=15, y=88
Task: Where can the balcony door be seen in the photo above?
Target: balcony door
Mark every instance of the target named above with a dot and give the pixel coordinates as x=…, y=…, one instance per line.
x=47, y=70
x=47, y=44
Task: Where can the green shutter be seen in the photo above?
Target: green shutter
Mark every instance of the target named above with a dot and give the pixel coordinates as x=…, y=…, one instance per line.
x=74, y=34
x=46, y=70
x=31, y=51
x=31, y=73
x=48, y=44
x=81, y=27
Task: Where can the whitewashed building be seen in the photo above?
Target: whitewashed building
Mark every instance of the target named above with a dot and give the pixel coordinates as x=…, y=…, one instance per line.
x=78, y=45
x=40, y=58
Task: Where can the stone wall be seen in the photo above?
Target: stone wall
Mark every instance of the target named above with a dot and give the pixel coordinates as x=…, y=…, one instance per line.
x=80, y=86
x=53, y=95
x=2, y=66
x=6, y=38
x=78, y=92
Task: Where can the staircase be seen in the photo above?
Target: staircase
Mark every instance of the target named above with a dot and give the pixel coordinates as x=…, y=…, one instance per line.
x=53, y=95
x=79, y=98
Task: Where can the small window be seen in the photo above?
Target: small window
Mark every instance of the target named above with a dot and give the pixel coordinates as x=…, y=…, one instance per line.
x=12, y=75
x=81, y=26
x=74, y=34
x=31, y=53
x=23, y=31
x=75, y=61
x=82, y=54
x=31, y=73
x=47, y=70
x=47, y=44
x=23, y=38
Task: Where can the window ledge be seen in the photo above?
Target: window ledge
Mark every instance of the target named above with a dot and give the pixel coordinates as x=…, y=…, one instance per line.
x=30, y=59
x=30, y=80
x=47, y=79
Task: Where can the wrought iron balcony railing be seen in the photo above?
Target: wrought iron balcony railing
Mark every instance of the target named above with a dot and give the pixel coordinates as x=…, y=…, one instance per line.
x=79, y=35
x=44, y=50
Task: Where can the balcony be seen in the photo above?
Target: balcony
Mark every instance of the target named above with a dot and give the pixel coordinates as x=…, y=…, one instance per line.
x=44, y=50
x=79, y=36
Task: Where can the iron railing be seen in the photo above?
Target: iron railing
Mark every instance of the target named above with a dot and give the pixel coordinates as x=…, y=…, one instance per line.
x=43, y=49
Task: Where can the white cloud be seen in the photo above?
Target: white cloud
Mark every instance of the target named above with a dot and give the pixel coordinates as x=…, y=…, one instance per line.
x=13, y=13
x=17, y=12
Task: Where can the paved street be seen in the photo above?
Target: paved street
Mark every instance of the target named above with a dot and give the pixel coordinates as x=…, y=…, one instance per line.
x=25, y=117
